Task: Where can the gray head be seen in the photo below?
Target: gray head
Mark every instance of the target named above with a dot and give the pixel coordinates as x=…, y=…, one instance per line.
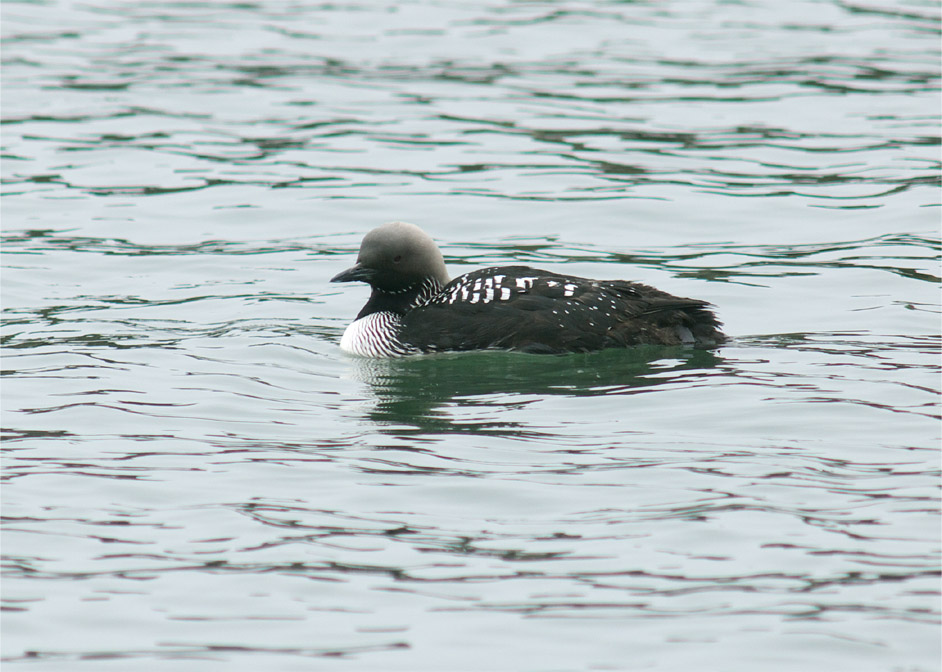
x=395, y=256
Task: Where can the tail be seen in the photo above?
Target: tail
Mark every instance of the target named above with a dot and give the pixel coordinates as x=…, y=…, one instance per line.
x=672, y=318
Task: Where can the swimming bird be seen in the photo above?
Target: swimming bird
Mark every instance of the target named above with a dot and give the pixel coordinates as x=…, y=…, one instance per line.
x=414, y=308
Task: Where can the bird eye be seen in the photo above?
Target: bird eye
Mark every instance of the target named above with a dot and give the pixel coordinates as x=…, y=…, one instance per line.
x=397, y=258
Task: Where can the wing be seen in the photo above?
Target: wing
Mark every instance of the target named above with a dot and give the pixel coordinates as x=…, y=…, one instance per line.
x=522, y=308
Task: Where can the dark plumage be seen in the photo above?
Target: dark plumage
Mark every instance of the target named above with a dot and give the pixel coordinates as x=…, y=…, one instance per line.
x=414, y=308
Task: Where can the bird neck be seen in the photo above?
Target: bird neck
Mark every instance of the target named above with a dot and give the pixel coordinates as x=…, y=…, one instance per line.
x=401, y=300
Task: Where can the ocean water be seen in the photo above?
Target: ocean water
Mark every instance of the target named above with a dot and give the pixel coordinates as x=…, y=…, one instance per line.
x=196, y=477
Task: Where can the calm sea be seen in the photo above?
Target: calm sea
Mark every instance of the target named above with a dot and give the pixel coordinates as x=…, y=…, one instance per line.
x=197, y=478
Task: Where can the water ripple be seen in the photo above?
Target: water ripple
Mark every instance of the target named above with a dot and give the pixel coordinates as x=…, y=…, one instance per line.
x=192, y=470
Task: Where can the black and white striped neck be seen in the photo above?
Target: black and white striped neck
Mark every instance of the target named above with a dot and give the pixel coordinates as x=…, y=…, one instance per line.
x=375, y=332
x=399, y=301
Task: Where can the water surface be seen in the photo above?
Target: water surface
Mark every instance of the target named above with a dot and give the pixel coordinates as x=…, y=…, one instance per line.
x=195, y=475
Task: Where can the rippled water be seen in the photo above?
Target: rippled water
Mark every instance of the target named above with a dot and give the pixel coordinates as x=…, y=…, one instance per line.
x=196, y=476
